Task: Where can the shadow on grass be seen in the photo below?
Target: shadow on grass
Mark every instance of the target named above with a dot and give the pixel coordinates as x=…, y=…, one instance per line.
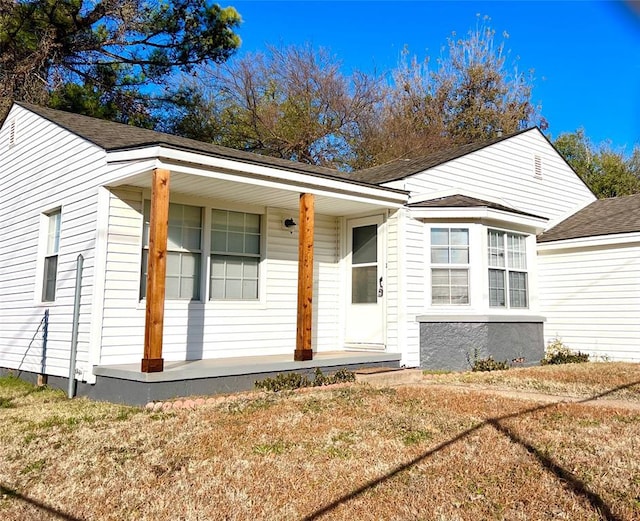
x=11, y=493
x=572, y=482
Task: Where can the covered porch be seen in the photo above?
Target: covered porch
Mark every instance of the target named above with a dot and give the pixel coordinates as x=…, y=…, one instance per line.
x=188, y=345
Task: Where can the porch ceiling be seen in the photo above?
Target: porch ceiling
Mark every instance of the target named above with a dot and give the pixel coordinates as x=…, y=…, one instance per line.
x=243, y=190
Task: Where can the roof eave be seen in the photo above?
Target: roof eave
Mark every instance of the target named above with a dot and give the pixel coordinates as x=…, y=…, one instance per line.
x=614, y=239
x=314, y=183
x=480, y=213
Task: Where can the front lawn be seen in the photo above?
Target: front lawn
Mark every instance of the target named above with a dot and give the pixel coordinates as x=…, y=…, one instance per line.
x=352, y=452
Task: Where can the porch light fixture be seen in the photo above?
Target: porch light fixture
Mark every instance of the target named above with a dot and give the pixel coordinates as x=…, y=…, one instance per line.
x=289, y=224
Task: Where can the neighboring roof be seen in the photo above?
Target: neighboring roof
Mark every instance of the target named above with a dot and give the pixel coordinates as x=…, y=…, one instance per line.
x=117, y=136
x=401, y=168
x=465, y=201
x=602, y=217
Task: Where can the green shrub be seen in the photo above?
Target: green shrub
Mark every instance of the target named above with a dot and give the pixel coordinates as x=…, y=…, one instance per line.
x=489, y=364
x=289, y=381
x=558, y=353
x=485, y=364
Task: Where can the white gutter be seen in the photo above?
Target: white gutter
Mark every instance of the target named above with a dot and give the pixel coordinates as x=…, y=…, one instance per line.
x=479, y=213
x=590, y=242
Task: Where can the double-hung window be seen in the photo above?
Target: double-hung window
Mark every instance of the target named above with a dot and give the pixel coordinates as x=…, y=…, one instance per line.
x=183, y=251
x=507, y=270
x=449, y=266
x=51, y=256
x=235, y=255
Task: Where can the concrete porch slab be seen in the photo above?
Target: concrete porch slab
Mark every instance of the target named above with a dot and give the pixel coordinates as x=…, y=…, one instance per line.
x=126, y=384
x=194, y=369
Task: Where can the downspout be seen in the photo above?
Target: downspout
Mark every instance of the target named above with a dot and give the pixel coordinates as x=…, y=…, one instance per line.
x=74, y=329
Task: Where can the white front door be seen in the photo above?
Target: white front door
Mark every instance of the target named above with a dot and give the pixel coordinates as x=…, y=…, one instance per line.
x=365, y=324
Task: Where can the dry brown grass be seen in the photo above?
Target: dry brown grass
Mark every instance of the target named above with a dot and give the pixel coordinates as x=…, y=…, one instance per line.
x=353, y=453
x=613, y=380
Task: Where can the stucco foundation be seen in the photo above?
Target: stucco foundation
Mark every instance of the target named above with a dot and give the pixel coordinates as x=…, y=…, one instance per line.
x=455, y=345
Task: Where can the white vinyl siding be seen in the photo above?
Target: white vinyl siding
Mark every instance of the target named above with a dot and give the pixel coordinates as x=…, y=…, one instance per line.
x=211, y=328
x=506, y=171
x=48, y=167
x=415, y=283
x=591, y=299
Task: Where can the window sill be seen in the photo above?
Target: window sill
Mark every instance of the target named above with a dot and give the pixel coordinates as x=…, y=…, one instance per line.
x=170, y=305
x=468, y=317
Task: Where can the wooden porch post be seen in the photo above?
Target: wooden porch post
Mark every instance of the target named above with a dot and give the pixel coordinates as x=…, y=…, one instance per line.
x=152, y=361
x=305, y=278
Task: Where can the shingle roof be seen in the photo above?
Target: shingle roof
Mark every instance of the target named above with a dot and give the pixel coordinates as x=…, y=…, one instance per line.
x=465, y=201
x=116, y=136
x=602, y=217
x=401, y=168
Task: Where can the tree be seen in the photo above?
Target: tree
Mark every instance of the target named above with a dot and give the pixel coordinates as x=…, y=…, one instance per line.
x=606, y=172
x=292, y=103
x=482, y=95
x=471, y=95
x=408, y=123
x=102, y=57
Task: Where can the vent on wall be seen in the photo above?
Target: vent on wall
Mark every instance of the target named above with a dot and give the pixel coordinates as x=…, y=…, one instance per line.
x=12, y=133
x=537, y=167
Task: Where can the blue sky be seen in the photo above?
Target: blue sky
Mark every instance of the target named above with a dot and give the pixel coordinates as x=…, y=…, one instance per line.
x=586, y=55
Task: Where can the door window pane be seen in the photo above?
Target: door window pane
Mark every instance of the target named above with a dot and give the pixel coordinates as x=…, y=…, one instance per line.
x=365, y=244
x=364, y=284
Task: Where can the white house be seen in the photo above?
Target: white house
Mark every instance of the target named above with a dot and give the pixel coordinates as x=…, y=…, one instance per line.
x=589, y=270
x=425, y=262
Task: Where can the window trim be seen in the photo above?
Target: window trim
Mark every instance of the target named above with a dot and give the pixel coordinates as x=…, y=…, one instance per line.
x=226, y=254
x=450, y=266
x=181, y=252
x=47, y=254
x=507, y=269
x=207, y=207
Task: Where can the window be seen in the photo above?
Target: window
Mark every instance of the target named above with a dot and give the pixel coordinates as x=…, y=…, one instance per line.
x=235, y=255
x=183, y=251
x=449, y=266
x=51, y=256
x=364, y=264
x=507, y=270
